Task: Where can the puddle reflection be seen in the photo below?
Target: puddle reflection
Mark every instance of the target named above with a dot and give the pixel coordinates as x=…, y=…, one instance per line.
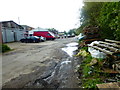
x=70, y=48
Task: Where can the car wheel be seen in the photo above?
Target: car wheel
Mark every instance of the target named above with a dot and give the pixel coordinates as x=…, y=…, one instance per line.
x=36, y=41
x=22, y=40
x=53, y=38
x=30, y=41
x=26, y=41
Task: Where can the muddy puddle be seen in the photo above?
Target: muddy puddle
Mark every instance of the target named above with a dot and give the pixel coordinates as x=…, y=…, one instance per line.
x=70, y=48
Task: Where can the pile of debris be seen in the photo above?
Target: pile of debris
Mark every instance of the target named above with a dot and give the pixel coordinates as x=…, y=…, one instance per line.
x=103, y=62
x=109, y=50
x=91, y=34
x=112, y=49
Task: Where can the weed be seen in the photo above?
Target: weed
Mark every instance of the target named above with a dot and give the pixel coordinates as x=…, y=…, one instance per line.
x=88, y=59
x=90, y=74
x=5, y=48
x=85, y=48
x=91, y=83
x=86, y=71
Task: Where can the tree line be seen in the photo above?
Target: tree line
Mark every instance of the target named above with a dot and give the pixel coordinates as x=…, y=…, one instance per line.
x=105, y=15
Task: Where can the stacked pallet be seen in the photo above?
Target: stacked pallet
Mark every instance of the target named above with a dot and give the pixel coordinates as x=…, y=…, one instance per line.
x=112, y=65
x=112, y=49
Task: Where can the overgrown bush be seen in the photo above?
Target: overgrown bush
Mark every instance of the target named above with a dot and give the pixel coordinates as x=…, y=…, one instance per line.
x=105, y=15
x=4, y=48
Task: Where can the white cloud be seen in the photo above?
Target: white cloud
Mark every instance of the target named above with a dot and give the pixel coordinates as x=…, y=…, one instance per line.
x=59, y=14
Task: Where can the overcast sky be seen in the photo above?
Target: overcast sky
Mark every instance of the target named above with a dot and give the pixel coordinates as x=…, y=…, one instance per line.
x=59, y=14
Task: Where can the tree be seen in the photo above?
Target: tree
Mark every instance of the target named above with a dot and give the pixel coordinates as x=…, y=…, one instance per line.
x=72, y=31
x=53, y=30
x=105, y=15
x=109, y=20
x=90, y=12
x=65, y=33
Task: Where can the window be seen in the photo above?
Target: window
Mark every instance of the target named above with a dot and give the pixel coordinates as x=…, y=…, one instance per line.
x=49, y=34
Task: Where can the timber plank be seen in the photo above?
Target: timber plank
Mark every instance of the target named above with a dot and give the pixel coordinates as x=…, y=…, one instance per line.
x=103, y=50
x=106, y=46
x=111, y=44
x=107, y=70
x=110, y=86
x=113, y=41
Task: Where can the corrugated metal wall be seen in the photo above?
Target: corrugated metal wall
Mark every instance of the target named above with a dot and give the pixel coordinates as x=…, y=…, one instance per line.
x=11, y=35
x=19, y=34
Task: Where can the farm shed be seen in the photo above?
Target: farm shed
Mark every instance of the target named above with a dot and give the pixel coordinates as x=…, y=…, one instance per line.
x=11, y=31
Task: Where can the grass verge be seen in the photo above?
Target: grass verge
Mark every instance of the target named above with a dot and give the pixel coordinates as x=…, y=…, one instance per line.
x=90, y=74
x=4, y=48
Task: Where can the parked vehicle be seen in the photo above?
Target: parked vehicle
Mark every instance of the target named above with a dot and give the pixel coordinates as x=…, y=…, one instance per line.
x=42, y=38
x=48, y=35
x=80, y=36
x=31, y=39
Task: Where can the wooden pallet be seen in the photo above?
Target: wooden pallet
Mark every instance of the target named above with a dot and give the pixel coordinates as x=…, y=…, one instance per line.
x=109, y=86
x=110, y=47
x=107, y=70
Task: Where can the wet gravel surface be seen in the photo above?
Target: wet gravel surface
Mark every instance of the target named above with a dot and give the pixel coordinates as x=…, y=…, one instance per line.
x=57, y=70
x=58, y=75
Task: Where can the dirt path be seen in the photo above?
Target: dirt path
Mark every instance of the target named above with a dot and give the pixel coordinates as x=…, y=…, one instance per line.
x=31, y=63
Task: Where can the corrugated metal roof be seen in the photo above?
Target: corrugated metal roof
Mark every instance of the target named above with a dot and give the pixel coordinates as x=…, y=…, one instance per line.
x=4, y=22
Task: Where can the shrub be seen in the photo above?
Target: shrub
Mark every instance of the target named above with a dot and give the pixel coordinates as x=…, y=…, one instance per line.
x=91, y=83
x=5, y=48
